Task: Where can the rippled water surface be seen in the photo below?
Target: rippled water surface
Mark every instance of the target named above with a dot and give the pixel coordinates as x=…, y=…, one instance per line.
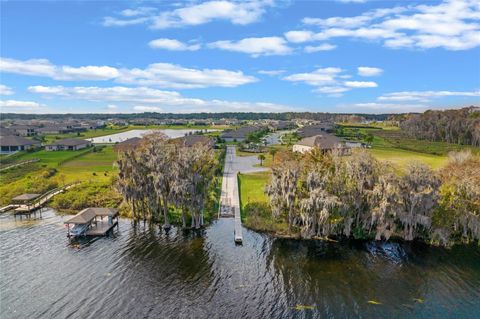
x=141, y=272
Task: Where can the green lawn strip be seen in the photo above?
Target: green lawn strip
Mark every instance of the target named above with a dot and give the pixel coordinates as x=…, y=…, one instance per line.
x=252, y=188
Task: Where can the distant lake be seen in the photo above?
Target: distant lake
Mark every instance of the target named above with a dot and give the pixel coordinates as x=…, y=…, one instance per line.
x=120, y=137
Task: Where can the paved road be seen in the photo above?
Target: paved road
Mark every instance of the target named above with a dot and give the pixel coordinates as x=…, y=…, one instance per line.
x=230, y=201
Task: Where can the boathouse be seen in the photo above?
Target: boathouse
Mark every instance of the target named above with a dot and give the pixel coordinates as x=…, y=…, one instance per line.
x=93, y=221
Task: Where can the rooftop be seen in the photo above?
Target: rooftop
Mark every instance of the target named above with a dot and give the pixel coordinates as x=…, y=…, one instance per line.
x=324, y=141
x=70, y=142
x=12, y=140
x=25, y=197
x=88, y=214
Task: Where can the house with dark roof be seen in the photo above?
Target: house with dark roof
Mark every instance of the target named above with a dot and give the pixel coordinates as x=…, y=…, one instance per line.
x=24, y=130
x=312, y=130
x=12, y=143
x=128, y=144
x=68, y=144
x=324, y=142
x=240, y=134
x=192, y=140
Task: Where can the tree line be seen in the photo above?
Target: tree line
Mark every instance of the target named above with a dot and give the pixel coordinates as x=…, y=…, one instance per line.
x=323, y=195
x=453, y=126
x=161, y=177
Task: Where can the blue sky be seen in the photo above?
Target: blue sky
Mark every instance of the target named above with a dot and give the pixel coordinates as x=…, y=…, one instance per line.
x=216, y=56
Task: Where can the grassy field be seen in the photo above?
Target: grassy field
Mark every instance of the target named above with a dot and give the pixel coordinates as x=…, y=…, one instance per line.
x=391, y=144
x=251, y=187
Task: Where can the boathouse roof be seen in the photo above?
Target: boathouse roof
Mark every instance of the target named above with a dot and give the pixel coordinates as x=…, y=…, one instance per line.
x=25, y=197
x=88, y=214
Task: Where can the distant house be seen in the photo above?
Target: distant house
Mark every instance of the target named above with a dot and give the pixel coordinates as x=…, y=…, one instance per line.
x=23, y=130
x=6, y=131
x=312, y=130
x=129, y=144
x=240, y=134
x=192, y=140
x=68, y=144
x=12, y=143
x=54, y=129
x=324, y=142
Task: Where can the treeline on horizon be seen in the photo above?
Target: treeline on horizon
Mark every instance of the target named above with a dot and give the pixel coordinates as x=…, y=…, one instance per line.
x=319, y=116
x=453, y=126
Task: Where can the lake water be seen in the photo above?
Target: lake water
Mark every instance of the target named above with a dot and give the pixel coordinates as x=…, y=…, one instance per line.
x=120, y=137
x=141, y=272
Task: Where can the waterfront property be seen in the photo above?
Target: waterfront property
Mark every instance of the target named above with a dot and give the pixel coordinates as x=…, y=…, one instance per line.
x=12, y=143
x=90, y=222
x=68, y=144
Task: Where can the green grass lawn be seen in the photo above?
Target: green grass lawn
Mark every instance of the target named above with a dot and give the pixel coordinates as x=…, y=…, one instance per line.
x=252, y=187
x=51, y=158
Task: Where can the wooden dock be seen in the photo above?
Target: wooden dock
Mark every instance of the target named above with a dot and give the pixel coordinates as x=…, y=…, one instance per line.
x=230, y=200
x=90, y=222
x=37, y=203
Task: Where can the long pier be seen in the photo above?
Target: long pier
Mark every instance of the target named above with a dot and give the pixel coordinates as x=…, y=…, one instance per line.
x=230, y=200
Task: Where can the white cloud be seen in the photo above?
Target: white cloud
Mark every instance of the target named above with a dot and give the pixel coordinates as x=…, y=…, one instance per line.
x=450, y=24
x=43, y=67
x=140, y=11
x=168, y=75
x=425, y=96
x=321, y=47
x=318, y=77
x=112, y=106
x=299, y=36
x=360, y=84
x=255, y=46
x=173, y=45
x=19, y=104
x=163, y=75
x=369, y=71
x=271, y=72
x=329, y=81
x=167, y=100
x=5, y=90
x=236, y=12
x=143, y=108
x=352, y=1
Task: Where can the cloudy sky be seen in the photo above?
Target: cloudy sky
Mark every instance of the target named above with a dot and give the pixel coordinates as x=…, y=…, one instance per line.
x=259, y=55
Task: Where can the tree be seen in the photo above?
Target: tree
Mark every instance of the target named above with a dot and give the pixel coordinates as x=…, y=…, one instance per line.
x=261, y=158
x=272, y=152
x=283, y=190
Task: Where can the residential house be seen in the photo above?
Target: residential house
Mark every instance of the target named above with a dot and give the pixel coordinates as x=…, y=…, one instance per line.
x=68, y=144
x=240, y=134
x=24, y=130
x=324, y=142
x=12, y=143
x=192, y=140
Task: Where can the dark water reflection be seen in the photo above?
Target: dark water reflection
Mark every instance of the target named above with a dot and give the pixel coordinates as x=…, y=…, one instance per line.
x=141, y=272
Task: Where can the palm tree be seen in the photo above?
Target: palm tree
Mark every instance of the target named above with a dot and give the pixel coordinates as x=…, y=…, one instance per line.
x=261, y=157
x=272, y=152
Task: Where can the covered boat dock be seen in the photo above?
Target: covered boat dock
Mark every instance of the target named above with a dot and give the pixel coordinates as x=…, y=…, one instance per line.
x=92, y=221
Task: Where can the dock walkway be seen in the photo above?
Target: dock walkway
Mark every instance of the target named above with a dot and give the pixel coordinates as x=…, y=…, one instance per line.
x=229, y=200
x=40, y=202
